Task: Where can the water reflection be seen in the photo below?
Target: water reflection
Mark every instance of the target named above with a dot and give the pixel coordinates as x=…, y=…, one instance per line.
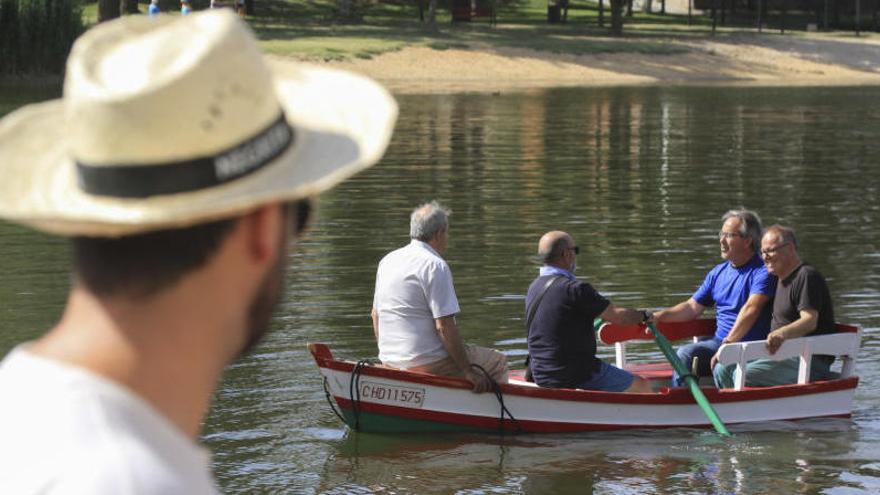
x=640, y=177
x=674, y=461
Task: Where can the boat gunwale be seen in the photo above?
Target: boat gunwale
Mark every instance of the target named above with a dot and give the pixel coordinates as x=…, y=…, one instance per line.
x=324, y=359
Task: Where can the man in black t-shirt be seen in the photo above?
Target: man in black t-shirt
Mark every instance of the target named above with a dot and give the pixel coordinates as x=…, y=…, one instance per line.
x=561, y=338
x=802, y=307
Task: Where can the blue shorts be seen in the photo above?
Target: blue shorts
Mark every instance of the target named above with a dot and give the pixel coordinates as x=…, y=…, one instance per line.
x=608, y=379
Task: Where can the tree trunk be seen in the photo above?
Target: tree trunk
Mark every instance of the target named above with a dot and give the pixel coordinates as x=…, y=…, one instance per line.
x=601, y=13
x=107, y=10
x=836, y=22
x=344, y=8
x=128, y=6
x=715, y=16
x=760, y=15
x=858, y=17
x=617, y=7
x=432, y=15
x=10, y=47
x=784, y=15
x=875, y=17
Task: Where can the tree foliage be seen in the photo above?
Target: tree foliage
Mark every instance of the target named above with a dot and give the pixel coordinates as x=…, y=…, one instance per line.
x=36, y=35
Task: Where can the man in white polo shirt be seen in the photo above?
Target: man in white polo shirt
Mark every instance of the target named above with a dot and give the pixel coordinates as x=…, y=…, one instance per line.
x=414, y=308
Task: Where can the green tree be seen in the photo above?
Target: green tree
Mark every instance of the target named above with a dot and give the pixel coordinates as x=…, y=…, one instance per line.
x=36, y=35
x=8, y=36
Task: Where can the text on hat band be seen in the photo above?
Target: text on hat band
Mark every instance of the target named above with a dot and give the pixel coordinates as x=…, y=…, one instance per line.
x=142, y=181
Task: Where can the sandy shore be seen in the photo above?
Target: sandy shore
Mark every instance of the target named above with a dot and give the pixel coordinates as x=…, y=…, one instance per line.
x=767, y=59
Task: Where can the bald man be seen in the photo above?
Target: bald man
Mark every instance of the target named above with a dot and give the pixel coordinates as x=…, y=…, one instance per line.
x=560, y=311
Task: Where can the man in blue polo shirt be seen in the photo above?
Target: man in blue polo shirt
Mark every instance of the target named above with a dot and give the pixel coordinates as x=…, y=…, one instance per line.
x=739, y=288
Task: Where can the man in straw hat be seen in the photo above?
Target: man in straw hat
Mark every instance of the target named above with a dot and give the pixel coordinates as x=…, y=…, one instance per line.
x=179, y=239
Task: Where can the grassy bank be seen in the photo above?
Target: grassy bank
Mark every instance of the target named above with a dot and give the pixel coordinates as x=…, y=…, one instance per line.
x=311, y=30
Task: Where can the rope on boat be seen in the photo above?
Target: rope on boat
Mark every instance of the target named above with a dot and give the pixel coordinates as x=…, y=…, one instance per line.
x=354, y=390
x=354, y=394
x=330, y=401
x=498, y=395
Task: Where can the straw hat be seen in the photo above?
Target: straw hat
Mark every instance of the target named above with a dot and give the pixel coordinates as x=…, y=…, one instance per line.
x=168, y=123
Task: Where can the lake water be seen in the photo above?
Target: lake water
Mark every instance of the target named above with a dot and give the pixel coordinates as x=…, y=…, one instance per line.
x=640, y=177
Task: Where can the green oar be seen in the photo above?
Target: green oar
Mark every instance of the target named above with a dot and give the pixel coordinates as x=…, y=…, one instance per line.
x=701, y=399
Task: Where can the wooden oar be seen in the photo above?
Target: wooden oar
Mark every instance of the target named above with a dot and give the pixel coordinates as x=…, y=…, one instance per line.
x=691, y=381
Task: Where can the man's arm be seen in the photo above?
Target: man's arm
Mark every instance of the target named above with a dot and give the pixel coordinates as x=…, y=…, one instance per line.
x=683, y=311
x=375, y=315
x=451, y=339
x=804, y=325
x=622, y=316
x=746, y=317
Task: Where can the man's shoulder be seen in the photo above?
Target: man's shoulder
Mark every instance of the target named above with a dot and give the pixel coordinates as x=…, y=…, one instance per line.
x=810, y=272
x=395, y=253
x=102, y=465
x=718, y=269
x=755, y=267
x=416, y=252
x=73, y=433
x=558, y=280
x=562, y=284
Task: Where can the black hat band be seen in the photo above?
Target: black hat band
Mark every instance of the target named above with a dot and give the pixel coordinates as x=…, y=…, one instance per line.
x=143, y=181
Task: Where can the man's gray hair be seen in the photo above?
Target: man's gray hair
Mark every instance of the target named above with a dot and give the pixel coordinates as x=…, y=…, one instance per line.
x=786, y=234
x=428, y=220
x=750, y=225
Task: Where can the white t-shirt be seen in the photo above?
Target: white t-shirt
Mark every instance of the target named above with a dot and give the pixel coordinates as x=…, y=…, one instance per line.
x=413, y=287
x=64, y=430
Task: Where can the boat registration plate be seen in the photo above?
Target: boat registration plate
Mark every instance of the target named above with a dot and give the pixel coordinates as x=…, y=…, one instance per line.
x=392, y=394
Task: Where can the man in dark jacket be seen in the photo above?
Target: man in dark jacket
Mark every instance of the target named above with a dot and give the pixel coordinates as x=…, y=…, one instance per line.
x=562, y=341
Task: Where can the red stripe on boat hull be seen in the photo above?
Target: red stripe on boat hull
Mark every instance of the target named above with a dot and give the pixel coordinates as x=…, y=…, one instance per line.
x=523, y=426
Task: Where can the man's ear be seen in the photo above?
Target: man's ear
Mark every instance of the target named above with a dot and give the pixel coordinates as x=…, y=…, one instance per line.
x=263, y=227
